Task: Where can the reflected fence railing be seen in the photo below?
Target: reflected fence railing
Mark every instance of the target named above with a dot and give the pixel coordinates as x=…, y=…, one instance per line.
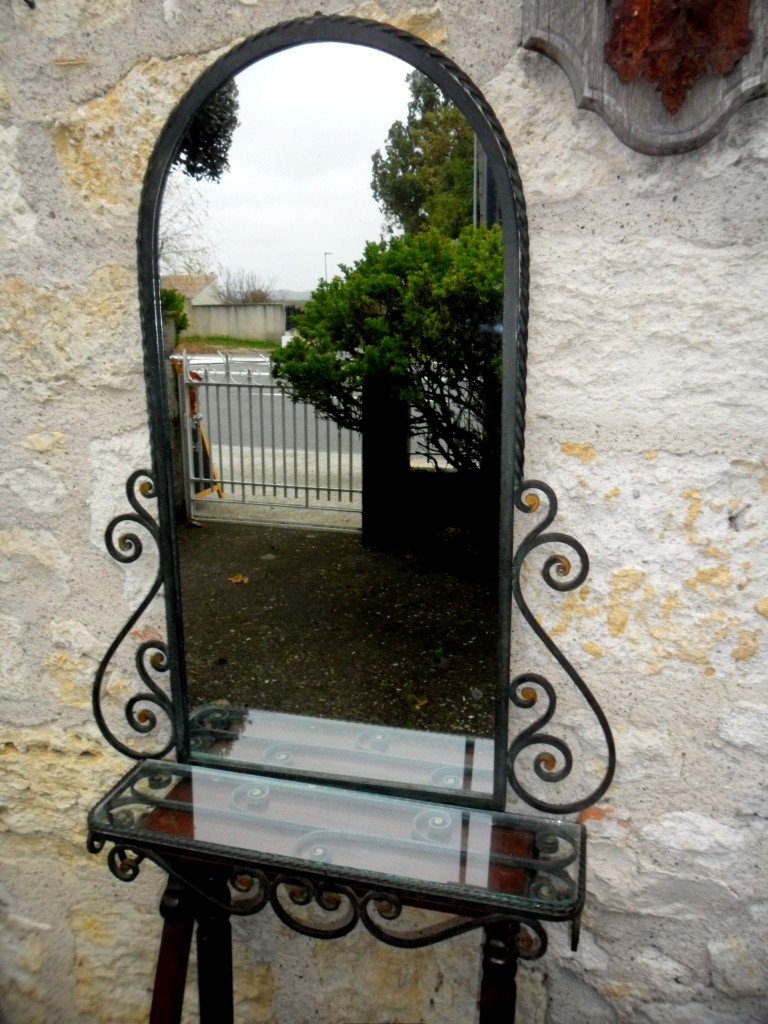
x=246, y=443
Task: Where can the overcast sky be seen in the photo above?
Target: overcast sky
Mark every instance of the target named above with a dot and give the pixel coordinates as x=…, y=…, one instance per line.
x=299, y=182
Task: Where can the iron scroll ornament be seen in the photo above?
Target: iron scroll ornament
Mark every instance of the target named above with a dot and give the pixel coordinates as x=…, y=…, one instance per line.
x=252, y=889
x=151, y=655
x=559, y=574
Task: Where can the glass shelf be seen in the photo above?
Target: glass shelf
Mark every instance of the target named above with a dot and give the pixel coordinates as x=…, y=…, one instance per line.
x=267, y=740
x=484, y=859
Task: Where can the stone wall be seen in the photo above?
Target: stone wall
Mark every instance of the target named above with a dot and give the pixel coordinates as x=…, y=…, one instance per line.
x=646, y=412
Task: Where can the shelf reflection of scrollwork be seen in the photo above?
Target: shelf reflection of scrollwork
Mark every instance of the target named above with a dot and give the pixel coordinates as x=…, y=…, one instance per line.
x=526, y=689
x=212, y=723
x=141, y=709
x=341, y=906
x=216, y=729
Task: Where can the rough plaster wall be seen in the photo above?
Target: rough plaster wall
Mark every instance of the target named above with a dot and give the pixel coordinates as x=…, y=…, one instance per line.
x=646, y=413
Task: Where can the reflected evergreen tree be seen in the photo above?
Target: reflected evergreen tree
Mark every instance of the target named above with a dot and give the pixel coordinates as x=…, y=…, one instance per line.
x=204, y=149
x=419, y=310
x=424, y=177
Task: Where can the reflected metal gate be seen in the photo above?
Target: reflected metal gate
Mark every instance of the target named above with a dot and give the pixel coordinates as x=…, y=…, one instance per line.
x=250, y=452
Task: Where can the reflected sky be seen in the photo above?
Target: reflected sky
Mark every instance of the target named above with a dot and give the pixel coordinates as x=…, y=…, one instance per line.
x=299, y=184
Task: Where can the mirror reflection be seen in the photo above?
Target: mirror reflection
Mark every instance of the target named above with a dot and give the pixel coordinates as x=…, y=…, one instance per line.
x=335, y=274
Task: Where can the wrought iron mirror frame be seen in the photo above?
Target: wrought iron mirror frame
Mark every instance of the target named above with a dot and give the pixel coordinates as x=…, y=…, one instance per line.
x=154, y=657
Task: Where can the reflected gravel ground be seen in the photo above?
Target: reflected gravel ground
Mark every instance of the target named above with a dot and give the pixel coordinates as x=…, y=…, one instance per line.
x=326, y=628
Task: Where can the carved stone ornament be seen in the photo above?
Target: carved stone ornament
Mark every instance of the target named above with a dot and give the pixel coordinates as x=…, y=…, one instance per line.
x=665, y=75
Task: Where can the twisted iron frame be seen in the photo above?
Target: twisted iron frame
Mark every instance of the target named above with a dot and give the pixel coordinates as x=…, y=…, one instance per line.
x=470, y=100
x=454, y=82
x=525, y=687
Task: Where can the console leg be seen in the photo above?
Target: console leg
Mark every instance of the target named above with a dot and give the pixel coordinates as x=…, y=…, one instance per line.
x=498, y=989
x=173, y=958
x=214, y=962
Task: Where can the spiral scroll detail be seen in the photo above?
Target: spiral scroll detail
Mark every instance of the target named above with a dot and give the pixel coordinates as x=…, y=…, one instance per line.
x=562, y=573
x=142, y=708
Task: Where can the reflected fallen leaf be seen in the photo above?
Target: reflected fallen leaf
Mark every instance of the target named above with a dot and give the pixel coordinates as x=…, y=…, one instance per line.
x=238, y=578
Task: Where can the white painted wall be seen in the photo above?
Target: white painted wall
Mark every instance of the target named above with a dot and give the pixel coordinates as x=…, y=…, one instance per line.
x=257, y=322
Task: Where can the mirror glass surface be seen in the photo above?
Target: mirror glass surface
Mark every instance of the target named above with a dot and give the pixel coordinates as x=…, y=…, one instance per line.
x=336, y=428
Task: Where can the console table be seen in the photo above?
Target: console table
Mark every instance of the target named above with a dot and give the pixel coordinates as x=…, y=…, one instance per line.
x=335, y=824
x=326, y=859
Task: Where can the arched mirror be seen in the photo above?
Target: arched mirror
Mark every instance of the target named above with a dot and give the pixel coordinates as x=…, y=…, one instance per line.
x=338, y=585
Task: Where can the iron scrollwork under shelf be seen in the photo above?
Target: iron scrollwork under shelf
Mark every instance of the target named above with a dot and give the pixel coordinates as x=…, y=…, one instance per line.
x=252, y=889
x=558, y=573
x=151, y=655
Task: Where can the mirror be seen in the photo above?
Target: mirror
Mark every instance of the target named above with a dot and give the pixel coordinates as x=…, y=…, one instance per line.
x=338, y=587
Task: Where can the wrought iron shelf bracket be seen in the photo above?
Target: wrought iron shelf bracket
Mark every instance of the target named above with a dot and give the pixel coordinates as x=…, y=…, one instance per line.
x=562, y=572
x=245, y=891
x=142, y=708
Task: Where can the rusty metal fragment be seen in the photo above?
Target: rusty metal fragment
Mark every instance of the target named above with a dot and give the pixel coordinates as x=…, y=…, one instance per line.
x=674, y=43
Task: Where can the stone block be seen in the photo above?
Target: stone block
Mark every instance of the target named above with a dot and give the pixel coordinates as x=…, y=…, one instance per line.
x=706, y=841
x=572, y=999
x=113, y=980
x=50, y=778
x=112, y=459
x=739, y=967
x=613, y=875
x=697, y=1012
x=17, y=221
x=67, y=17
x=22, y=984
x=58, y=334
x=662, y=971
x=104, y=145
x=423, y=20
x=745, y=725
x=34, y=487
x=669, y=894
x=643, y=753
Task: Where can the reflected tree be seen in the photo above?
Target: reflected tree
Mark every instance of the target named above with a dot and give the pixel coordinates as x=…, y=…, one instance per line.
x=424, y=176
x=204, y=148
x=405, y=343
x=421, y=310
